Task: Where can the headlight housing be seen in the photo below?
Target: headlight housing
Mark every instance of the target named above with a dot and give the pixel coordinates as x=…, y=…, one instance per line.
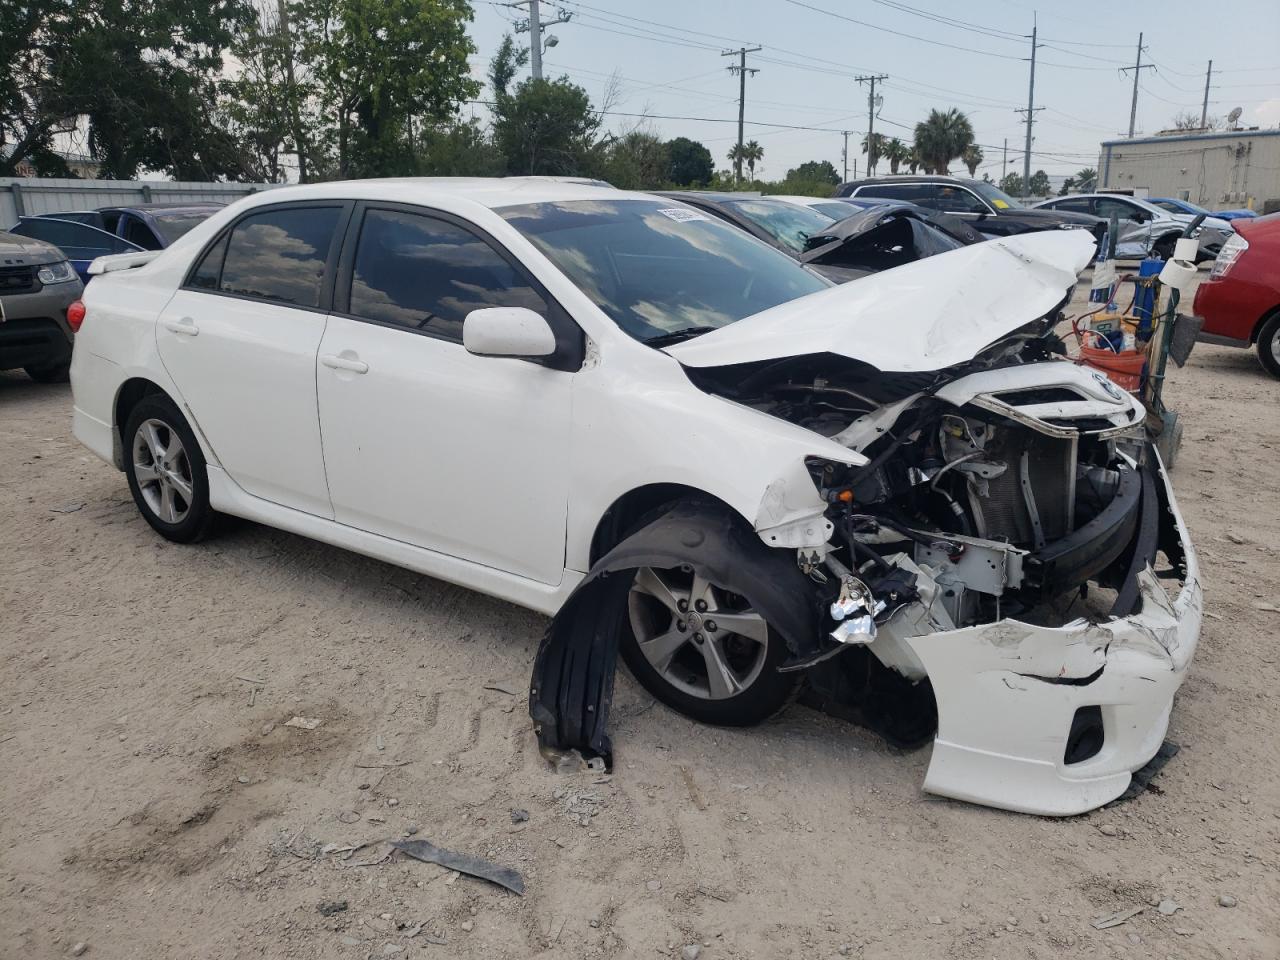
x=1231, y=251
x=59, y=272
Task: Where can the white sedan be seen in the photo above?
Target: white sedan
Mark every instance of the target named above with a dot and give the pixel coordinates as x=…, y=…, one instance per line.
x=684, y=446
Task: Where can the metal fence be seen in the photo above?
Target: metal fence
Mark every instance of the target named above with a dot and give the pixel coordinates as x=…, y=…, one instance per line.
x=28, y=196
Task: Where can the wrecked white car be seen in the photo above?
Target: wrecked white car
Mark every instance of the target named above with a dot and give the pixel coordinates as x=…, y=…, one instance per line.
x=686, y=448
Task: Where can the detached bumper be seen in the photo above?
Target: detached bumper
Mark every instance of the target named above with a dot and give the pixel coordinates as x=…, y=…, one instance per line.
x=1008, y=694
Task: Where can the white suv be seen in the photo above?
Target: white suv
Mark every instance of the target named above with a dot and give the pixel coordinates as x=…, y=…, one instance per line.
x=622, y=412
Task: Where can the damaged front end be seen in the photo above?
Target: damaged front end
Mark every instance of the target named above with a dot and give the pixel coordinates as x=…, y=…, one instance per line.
x=989, y=570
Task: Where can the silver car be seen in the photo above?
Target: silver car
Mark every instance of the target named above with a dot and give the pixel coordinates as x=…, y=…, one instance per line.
x=1144, y=228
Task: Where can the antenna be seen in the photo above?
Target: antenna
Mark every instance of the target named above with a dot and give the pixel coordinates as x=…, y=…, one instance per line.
x=1233, y=116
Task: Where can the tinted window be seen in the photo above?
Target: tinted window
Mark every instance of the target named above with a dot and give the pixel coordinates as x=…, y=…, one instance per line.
x=135, y=231
x=1106, y=206
x=656, y=268
x=951, y=199
x=914, y=192
x=427, y=274
x=77, y=241
x=280, y=255
x=205, y=275
x=173, y=225
x=788, y=224
x=1078, y=205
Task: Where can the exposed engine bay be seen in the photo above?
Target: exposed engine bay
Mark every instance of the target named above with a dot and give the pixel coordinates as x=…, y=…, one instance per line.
x=979, y=564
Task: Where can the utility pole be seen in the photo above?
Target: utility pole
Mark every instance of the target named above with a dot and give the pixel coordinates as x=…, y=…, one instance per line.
x=871, y=120
x=534, y=27
x=1204, y=109
x=740, y=68
x=1004, y=164
x=1030, y=112
x=844, y=156
x=1137, y=69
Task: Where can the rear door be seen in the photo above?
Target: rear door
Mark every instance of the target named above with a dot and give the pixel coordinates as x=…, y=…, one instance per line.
x=240, y=341
x=424, y=442
x=1133, y=237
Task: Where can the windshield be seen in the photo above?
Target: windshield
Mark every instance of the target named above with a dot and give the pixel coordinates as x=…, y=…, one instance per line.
x=836, y=209
x=173, y=225
x=658, y=269
x=995, y=196
x=788, y=224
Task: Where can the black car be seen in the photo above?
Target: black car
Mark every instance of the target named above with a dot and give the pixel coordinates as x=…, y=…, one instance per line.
x=871, y=240
x=984, y=205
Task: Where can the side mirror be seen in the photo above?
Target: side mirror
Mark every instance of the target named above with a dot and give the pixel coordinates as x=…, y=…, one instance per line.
x=507, y=332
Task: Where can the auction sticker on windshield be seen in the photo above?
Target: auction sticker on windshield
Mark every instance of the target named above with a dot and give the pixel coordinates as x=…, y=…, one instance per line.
x=683, y=215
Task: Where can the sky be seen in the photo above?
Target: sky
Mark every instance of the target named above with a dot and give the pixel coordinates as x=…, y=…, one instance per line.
x=973, y=56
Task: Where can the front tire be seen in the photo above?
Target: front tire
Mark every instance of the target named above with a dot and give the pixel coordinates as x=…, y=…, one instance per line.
x=703, y=650
x=1269, y=345
x=166, y=471
x=1164, y=247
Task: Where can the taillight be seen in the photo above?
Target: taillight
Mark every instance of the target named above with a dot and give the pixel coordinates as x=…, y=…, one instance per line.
x=1228, y=255
x=75, y=315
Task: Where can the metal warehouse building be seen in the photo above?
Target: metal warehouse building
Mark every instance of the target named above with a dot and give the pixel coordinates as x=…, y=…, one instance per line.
x=1232, y=169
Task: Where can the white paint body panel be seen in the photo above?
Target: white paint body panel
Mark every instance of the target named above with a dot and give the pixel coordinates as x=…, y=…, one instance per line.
x=495, y=473
x=925, y=315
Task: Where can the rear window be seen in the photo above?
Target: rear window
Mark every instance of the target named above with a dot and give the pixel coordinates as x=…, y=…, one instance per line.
x=280, y=255
x=173, y=225
x=788, y=224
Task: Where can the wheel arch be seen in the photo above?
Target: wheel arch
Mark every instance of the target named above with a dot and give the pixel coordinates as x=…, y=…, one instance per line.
x=1266, y=318
x=621, y=515
x=131, y=392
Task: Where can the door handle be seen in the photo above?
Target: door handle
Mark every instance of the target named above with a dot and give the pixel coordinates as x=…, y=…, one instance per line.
x=185, y=327
x=340, y=362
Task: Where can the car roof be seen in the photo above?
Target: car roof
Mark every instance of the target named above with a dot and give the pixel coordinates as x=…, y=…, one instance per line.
x=716, y=196
x=913, y=178
x=807, y=201
x=492, y=192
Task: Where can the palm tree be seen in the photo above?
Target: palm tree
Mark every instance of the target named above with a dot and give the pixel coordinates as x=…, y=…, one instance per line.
x=913, y=158
x=873, y=145
x=1087, y=179
x=971, y=157
x=752, y=153
x=737, y=153
x=941, y=138
x=897, y=153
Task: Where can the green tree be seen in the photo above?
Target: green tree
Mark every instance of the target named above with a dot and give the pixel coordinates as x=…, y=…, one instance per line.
x=737, y=155
x=1011, y=184
x=941, y=138
x=546, y=127
x=137, y=81
x=689, y=162
x=873, y=145
x=1038, y=185
x=1067, y=184
x=456, y=149
x=1087, y=179
x=897, y=153
x=378, y=64
x=971, y=158
x=815, y=171
x=752, y=153
x=637, y=161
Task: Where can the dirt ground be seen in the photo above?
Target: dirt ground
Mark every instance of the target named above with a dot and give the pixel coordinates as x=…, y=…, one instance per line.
x=155, y=805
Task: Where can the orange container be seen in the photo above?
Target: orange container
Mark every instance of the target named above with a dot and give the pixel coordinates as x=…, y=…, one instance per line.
x=1124, y=368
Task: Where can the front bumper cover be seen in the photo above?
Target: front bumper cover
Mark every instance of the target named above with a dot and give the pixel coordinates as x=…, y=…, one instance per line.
x=1007, y=693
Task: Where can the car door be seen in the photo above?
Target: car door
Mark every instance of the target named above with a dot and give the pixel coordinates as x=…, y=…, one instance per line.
x=240, y=338
x=80, y=243
x=1133, y=235
x=424, y=442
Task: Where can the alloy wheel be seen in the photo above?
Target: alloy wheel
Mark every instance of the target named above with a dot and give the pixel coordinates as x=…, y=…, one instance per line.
x=163, y=470
x=700, y=638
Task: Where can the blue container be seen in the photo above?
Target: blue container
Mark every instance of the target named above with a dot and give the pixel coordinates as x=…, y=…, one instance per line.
x=1144, y=302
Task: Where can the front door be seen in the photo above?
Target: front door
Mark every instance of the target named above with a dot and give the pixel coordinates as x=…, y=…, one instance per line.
x=240, y=341
x=424, y=442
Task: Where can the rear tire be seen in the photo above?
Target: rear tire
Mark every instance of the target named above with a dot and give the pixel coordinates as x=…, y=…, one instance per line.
x=166, y=470
x=1269, y=345
x=59, y=373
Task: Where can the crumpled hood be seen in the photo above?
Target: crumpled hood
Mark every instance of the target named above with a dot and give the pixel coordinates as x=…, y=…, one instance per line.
x=926, y=315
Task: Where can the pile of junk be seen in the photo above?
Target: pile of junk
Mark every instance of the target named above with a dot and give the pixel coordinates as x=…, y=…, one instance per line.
x=1133, y=345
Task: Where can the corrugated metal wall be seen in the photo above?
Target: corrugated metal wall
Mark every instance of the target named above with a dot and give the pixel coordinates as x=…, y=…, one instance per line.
x=27, y=196
x=1216, y=171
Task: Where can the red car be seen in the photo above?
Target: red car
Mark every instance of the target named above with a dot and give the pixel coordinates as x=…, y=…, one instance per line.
x=1240, y=302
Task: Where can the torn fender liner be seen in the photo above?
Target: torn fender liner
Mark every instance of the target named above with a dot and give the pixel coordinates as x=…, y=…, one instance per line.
x=572, y=686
